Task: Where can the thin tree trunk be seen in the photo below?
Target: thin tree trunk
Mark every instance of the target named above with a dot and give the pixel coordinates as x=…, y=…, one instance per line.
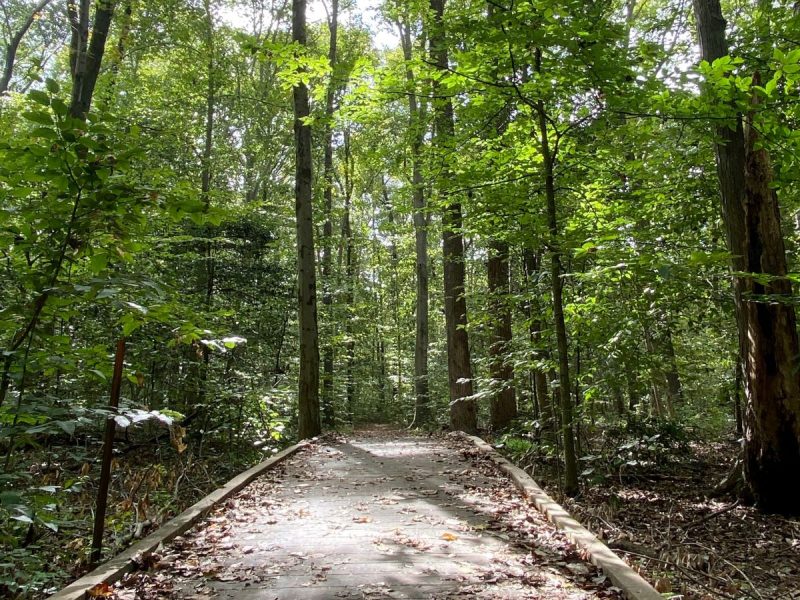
x=347, y=239
x=208, y=267
x=463, y=407
x=328, y=411
x=13, y=46
x=503, y=407
x=532, y=263
x=671, y=374
x=765, y=316
x=422, y=410
x=308, y=389
x=570, y=458
x=108, y=450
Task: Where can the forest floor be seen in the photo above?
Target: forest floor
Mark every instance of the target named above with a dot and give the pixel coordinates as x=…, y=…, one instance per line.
x=381, y=515
x=658, y=516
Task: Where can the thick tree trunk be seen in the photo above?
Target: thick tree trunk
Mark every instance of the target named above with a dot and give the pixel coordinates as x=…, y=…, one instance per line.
x=422, y=410
x=13, y=45
x=86, y=55
x=329, y=414
x=308, y=392
x=503, y=407
x=765, y=315
x=463, y=408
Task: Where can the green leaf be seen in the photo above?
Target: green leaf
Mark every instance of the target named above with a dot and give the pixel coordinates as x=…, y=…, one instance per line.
x=22, y=518
x=40, y=117
x=67, y=427
x=52, y=86
x=39, y=97
x=107, y=293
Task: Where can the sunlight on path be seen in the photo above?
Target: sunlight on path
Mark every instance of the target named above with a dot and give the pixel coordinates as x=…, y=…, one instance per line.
x=379, y=516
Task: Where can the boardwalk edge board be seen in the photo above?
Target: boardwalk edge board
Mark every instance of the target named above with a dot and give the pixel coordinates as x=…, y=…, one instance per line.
x=113, y=570
x=619, y=572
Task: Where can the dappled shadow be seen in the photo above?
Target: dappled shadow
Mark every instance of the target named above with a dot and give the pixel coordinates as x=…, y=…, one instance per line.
x=393, y=516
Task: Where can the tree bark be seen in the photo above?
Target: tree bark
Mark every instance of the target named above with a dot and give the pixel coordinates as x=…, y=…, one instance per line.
x=308, y=381
x=422, y=410
x=108, y=453
x=532, y=265
x=13, y=46
x=463, y=407
x=328, y=411
x=208, y=269
x=503, y=407
x=349, y=267
x=765, y=316
x=567, y=427
x=86, y=55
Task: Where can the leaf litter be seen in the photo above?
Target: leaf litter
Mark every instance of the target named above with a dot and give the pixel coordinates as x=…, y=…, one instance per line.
x=459, y=530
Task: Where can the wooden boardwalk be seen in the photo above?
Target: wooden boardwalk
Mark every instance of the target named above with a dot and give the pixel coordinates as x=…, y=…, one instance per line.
x=377, y=516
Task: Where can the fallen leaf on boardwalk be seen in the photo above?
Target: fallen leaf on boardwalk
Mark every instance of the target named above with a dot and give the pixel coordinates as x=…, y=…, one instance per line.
x=101, y=590
x=450, y=537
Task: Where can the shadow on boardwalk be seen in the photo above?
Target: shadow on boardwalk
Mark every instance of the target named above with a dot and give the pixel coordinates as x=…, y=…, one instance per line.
x=381, y=515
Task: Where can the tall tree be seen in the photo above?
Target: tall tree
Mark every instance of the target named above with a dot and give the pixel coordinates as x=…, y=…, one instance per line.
x=327, y=230
x=308, y=394
x=503, y=407
x=765, y=315
x=463, y=407
x=416, y=126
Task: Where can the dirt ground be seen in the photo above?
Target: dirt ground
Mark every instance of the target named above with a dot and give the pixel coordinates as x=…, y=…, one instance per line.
x=660, y=519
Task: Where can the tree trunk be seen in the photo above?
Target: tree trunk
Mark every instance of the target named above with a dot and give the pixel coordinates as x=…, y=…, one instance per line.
x=13, y=46
x=422, y=410
x=308, y=389
x=570, y=458
x=329, y=414
x=532, y=262
x=671, y=374
x=86, y=56
x=108, y=453
x=765, y=316
x=208, y=267
x=463, y=408
x=503, y=407
x=349, y=266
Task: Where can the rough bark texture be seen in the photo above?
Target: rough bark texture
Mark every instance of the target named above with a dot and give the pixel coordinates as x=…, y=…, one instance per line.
x=422, y=410
x=463, y=408
x=327, y=229
x=503, y=407
x=766, y=318
x=308, y=393
x=86, y=55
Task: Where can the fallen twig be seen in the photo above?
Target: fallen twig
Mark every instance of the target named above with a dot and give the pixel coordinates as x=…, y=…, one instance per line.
x=713, y=514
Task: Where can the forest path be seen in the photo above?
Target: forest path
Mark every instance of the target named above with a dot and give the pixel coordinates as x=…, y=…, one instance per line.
x=381, y=515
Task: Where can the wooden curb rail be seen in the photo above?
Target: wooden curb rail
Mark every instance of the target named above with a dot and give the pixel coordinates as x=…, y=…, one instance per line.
x=619, y=572
x=123, y=563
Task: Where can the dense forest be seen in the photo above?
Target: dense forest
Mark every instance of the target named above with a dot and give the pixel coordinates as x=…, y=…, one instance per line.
x=226, y=225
